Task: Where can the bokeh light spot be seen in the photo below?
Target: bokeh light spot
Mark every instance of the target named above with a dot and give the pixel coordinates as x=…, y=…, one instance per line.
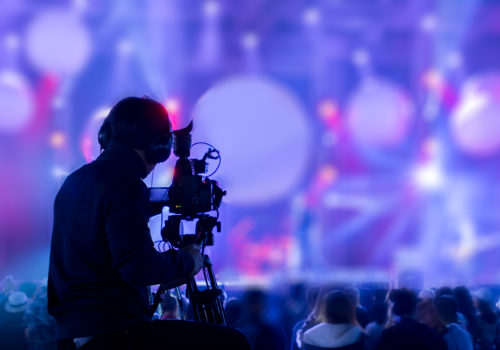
x=57, y=139
x=263, y=133
x=16, y=103
x=475, y=122
x=58, y=42
x=379, y=113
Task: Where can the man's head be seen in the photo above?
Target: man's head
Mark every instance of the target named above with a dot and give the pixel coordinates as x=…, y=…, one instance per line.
x=446, y=308
x=339, y=308
x=141, y=124
x=404, y=302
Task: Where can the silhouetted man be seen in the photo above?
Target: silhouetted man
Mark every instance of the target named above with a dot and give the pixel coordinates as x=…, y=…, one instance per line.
x=102, y=256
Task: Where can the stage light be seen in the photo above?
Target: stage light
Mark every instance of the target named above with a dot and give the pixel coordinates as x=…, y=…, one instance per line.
x=361, y=57
x=475, y=122
x=379, y=113
x=57, y=139
x=328, y=174
x=429, y=23
x=124, y=47
x=211, y=8
x=328, y=110
x=16, y=102
x=173, y=106
x=429, y=176
x=250, y=41
x=263, y=133
x=311, y=16
x=80, y=5
x=58, y=42
x=59, y=172
x=433, y=80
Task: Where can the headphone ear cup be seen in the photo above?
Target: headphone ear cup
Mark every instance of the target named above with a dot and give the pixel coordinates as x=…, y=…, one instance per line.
x=159, y=150
x=104, y=135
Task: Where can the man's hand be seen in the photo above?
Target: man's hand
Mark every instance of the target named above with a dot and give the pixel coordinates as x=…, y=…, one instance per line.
x=195, y=251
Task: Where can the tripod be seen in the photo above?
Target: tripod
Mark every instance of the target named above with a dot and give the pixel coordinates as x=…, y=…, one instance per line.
x=207, y=304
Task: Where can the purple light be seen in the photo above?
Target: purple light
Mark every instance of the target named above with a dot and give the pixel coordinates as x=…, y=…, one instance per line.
x=379, y=113
x=16, y=103
x=476, y=120
x=58, y=42
x=262, y=132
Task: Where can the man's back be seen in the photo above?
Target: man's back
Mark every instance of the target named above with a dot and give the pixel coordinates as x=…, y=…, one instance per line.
x=102, y=256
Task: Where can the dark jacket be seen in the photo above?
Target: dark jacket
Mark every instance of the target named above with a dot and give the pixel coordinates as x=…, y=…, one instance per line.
x=102, y=257
x=408, y=334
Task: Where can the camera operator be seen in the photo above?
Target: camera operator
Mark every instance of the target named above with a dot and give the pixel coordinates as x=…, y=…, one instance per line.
x=102, y=257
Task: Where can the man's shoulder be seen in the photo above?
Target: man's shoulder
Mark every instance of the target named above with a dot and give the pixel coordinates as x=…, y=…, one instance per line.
x=98, y=179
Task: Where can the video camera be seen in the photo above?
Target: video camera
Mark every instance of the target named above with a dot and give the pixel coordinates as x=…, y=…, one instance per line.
x=190, y=196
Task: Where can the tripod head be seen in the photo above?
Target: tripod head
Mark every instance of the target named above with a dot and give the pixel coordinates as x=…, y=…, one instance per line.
x=191, y=196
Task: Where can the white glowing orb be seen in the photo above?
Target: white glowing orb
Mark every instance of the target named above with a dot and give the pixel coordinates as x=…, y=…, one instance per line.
x=58, y=42
x=429, y=176
x=16, y=102
x=88, y=143
x=263, y=134
x=379, y=113
x=475, y=122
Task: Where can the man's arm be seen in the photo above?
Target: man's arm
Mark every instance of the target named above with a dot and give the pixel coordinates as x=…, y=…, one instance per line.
x=130, y=242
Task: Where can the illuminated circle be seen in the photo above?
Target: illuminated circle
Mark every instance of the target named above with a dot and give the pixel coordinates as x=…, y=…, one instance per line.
x=57, y=139
x=475, y=122
x=58, y=42
x=88, y=143
x=263, y=135
x=16, y=104
x=379, y=113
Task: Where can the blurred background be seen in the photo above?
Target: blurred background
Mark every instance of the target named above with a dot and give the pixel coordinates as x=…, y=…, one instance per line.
x=360, y=139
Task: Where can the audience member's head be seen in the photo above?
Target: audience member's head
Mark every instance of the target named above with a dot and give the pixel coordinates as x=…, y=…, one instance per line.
x=379, y=313
x=353, y=294
x=465, y=304
x=426, y=313
x=404, y=302
x=379, y=296
x=16, y=302
x=169, y=307
x=444, y=291
x=339, y=308
x=234, y=311
x=484, y=294
x=486, y=312
x=426, y=294
x=446, y=308
x=254, y=301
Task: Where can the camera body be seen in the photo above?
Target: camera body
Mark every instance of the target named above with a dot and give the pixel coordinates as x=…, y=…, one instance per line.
x=190, y=196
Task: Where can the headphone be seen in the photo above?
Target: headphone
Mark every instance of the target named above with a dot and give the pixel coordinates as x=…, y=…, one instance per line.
x=157, y=149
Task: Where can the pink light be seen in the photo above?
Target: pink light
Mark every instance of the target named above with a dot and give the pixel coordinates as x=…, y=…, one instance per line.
x=57, y=139
x=173, y=107
x=86, y=145
x=328, y=110
x=435, y=82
